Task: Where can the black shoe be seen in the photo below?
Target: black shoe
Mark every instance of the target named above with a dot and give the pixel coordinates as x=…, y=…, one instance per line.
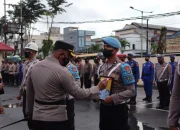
x=149, y=99
x=166, y=108
x=158, y=97
x=160, y=107
x=145, y=99
x=132, y=102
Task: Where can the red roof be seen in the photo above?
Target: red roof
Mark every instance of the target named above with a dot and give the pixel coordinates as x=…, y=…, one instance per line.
x=4, y=47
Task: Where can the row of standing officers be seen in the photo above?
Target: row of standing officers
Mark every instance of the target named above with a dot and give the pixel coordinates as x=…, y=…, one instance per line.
x=45, y=97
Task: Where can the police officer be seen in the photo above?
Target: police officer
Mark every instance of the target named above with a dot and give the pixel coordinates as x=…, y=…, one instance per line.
x=123, y=58
x=87, y=73
x=173, y=65
x=148, y=77
x=95, y=70
x=135, y=69
x=48, y=83
x=70, y=99
x=113, y=110
x=174, y=112
x=163, y=75
x=30, y=51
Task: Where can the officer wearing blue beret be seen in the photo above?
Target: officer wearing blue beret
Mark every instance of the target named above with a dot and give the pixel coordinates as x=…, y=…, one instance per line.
x=135, y=69
x=148, y=77
x=113, y=107
x=173, y=65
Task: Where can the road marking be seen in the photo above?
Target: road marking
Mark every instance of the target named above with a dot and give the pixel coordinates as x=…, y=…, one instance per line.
x=159, y=109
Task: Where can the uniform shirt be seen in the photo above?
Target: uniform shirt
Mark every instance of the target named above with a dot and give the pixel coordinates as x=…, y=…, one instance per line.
x=159, y=69
x=135, y=69
x=3, y=67
x=148, y=71
x=174, y=112
x=16, y=69
x=95, y=68
x=74, y=72
x=119, y=92
x=11, y=66
x=88, y=69
x=173, y=65
x=25, y=68
x=6, y=68
x=80, y=68
x=48, y=81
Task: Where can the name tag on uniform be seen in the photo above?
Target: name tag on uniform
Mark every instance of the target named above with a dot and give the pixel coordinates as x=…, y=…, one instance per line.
x=107, y=91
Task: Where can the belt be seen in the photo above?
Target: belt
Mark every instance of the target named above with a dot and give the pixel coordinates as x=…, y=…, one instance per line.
x=162, y=80
x=60, y=102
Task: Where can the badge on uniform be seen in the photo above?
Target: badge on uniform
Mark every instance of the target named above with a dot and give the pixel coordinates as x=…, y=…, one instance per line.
x=127, y=75
x=107, y=91
x=74, y=72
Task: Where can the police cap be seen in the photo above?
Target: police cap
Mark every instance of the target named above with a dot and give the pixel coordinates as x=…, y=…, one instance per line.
x=147, y=55
x=172, y=56
x=113, y=42
x=65, y=46
x=130, y=54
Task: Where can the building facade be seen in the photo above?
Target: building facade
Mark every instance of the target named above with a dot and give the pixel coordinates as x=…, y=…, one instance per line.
x=81, y=39
x=55, y=35
x=132, y=33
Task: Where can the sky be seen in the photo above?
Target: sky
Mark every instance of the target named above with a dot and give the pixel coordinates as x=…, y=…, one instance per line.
x=86, y=10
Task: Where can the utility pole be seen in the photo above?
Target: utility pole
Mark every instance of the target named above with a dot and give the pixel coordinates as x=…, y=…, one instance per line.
x=21, y=24
x=4, y=27
x=147, y=40
x=142, y=34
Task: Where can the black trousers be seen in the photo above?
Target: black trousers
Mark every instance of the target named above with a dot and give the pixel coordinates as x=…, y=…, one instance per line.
x=49, y=125
x=113, y=117
x=11, y=77
x=16, y=78
x=164, y=93
x=82, y=81
x=3, y=78
x=70, y=114
x=87, y=81
x=96, y=80
x=6, y=78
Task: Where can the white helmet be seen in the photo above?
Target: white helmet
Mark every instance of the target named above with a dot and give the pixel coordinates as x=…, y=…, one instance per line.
x=31, y=46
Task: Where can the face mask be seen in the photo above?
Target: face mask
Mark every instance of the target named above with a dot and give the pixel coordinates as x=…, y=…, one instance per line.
x=129, y=58
x=146, y=59
x=65, y=61
x=107, y=53
x=27, y=54
x=160, y=62
x=172, y=60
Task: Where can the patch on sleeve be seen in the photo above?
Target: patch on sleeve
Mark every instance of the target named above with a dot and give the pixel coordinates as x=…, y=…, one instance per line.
x=127, y=75
x=74, y=72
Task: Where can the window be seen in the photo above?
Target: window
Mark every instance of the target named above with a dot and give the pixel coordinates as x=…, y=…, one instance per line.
x=133, y=46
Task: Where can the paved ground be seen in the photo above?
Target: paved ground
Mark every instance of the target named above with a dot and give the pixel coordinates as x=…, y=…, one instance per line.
x=143, y=116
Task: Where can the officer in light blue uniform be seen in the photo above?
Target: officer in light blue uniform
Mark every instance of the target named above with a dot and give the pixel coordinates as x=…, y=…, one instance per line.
x=113, y=107
x=148, y=77
x=173, y=65
x=135, y=69
x=70, y=99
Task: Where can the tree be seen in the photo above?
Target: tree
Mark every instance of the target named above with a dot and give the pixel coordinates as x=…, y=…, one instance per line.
x=95, y=48
x=162, y=41
x=124, y=43
x=47, y=44
x=53, y=11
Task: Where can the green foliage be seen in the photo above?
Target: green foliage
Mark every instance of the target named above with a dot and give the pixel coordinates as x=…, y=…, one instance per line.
x=162, y=41
x=47, y=45
x=154, y=48
x=95, y=48
x=32, y=11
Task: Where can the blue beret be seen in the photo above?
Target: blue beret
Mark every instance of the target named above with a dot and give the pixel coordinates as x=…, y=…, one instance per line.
x=112, y=42
x=130, y=54
x=172, y=56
